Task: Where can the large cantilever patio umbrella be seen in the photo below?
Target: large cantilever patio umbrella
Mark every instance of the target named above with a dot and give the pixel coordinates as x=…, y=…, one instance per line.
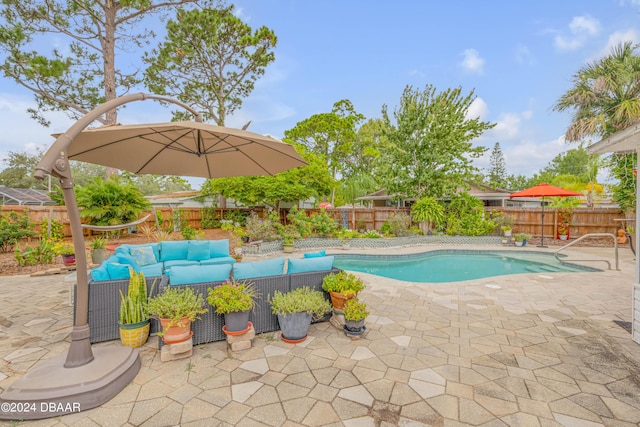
x=88, y=377
x=544, y=190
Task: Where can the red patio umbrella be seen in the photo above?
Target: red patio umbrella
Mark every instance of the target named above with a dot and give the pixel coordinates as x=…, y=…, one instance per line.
x=544, y=190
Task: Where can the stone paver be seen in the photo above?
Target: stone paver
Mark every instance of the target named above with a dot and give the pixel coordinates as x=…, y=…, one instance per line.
x=530, y=349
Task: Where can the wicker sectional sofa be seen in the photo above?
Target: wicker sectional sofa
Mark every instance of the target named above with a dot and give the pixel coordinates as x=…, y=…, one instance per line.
x=104, y=304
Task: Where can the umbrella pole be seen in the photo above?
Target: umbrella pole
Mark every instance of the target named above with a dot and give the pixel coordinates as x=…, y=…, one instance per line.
x=541, y=245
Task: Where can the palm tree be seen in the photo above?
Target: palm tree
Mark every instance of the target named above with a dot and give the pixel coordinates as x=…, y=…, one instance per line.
x=605, y=95
x=605, y=99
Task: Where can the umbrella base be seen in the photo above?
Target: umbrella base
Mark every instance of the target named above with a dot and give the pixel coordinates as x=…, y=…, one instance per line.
x=51, y=390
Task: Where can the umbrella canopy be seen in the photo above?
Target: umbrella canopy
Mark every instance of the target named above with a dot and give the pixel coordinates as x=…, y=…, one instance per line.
x=544, y=190
x=185, y=149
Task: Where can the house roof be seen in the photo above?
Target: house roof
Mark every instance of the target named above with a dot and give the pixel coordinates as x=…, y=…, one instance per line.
x=623, y=141
x=480, y=191
x=24, y=196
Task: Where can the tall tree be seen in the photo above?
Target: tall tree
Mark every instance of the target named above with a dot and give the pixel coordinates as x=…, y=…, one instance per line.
x=210, y=60
x=150, y=185
x=605, y=98
x=497, y=172
x=84, y=75
x=429, y=150
x=291, y=185
x=331, y=135
x=19, y=171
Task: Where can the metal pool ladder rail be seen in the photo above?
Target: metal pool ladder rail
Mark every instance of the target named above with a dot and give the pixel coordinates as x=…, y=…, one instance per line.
x=615, y=249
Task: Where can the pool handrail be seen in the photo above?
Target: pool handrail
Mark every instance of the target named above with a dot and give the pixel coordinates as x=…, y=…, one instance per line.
x=615, y=249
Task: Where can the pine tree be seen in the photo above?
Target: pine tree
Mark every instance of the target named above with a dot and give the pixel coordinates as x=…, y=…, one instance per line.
x=497, y=173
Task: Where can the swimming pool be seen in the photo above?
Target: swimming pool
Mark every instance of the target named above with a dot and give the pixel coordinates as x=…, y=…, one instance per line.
x=455, y=265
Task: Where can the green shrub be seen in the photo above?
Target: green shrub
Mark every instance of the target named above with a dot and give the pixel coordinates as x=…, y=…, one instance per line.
x=209, y=219
x=342, y=282
x=42, y=253
x=237, y=217
x=111, y=202
x=13, y=228
x=188, y=232
x=355, y=310
x=300, y=300
x=466, y=216
x=57, y=232
x=260, y=228
x=174, y=303
x=299, y=219
x=232, y=296
x=397, y=224
x=322, y=224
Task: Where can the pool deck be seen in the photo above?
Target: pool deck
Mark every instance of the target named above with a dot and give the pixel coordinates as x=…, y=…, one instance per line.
x=519, y=350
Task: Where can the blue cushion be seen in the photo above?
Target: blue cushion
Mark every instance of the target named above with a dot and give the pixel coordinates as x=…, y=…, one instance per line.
x=174, y=250
x=179, y=263
x=118, y=271
x=144, y=255
x=123, y=258
x=198, y=250
x=127, y=249
x=268, y=267
x=100, y=273
x=218, y=260
x=315, y=254
x=311, y=264
x=199, y=274
x=219, y=247
x=152, y=269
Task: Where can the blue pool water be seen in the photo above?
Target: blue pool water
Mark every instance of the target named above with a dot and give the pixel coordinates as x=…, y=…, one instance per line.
x=455, y=265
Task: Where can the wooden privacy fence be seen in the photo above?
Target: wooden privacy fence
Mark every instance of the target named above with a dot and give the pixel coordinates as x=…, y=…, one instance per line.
x=526, y=220
x=583, y=220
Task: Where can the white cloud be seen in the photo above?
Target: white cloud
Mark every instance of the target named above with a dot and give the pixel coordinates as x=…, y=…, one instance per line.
x=582, y=28
x=524, y=55
x=617, y=38
x=477, y=109
x=584, y=24
x=472, y=61
x=508, y=125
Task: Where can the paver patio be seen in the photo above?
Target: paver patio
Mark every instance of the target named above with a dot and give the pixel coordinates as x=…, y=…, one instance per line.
x=520, y=350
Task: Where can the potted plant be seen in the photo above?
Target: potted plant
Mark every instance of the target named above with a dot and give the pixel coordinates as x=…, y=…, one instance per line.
x=66, y=251
x=342, y=286
x=289, y=233
x=295, y=311
x=134, y=318
x=506, y=229
x=233, y=299
x=355, y=312
x=563, y=231
x=521, y=239
x=98, y=250
x=176, y=308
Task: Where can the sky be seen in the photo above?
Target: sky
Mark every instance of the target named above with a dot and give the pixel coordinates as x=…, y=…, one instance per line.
x=517, y=57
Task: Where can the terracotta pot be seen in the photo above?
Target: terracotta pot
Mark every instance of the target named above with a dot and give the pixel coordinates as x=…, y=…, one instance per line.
x=338, y=299
x=135, y=334
x=69, y=259
x=176, y=333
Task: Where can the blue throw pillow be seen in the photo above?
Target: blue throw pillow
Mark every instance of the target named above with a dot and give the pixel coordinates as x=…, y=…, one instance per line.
x=100, y=273
x=310, y=264
x=219, y=247
x=315, y=254
x=199, y=274
x=118, y=271
x=268, y=267
x=198, y=250
x=174, y=250
x=143, y=255
x=122, y=258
